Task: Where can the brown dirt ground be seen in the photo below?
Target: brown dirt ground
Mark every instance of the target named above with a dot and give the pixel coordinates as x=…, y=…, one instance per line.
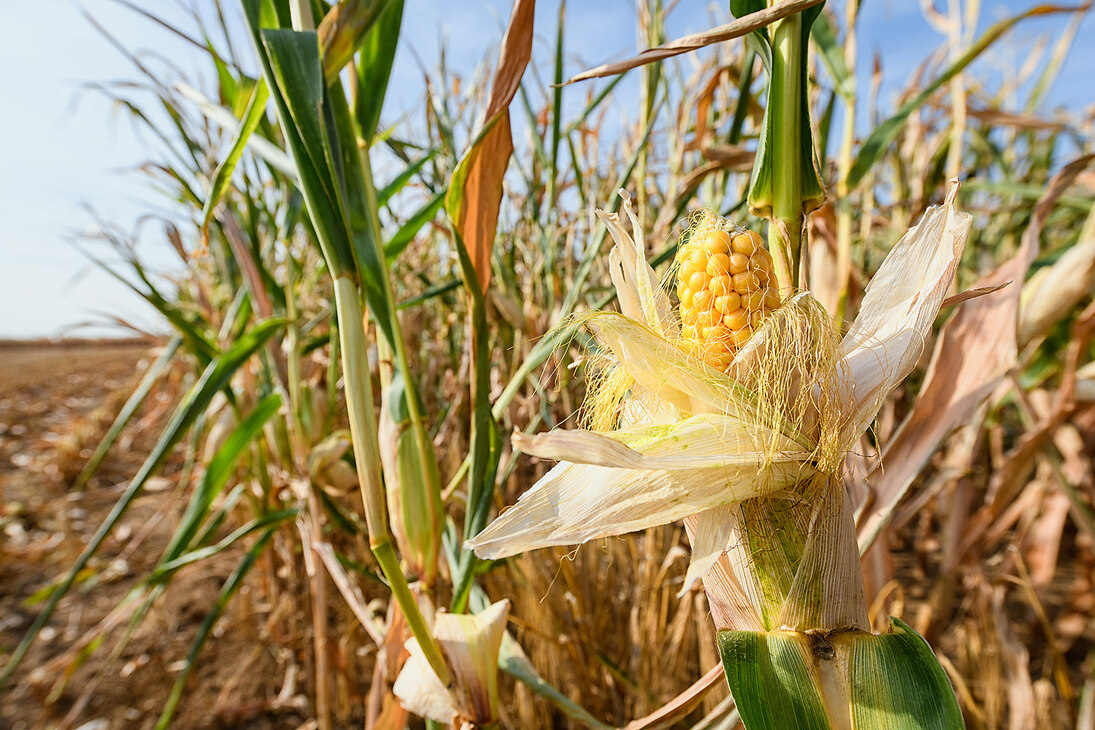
x=55, y=404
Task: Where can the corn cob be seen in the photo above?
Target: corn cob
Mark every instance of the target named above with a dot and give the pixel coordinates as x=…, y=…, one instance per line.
x=726, y=287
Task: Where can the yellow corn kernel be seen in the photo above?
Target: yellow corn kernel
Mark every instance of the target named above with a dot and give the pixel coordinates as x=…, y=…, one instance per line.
x=686, y=296
x=754, y=300
x=740, y=337
x=736, y=319
x=747, y=242
x=728, y=303
x=745, y=282
x=726, y=287
x=716, y=242
x=739, y=262
x=720, y=286
x=765, y=258
x=707, y=318
x=717, y=264
x=697, y=281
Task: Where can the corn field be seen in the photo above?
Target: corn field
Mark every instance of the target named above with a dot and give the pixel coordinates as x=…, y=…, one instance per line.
x=768, y=402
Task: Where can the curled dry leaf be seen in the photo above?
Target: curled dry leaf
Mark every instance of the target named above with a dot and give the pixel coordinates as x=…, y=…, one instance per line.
x=974, y=352
x=695, y=41
x=476, y=190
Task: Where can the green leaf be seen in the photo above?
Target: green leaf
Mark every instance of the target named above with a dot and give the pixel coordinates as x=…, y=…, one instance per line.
x=222, y=178
x=375, y=68
x=410, y=229
x=880, y=138
x=227, y=591
x=216, y=476
x=128, y=410
x=832, y=55
x=400, y=180
x=371, y=266
x=165, y=569
x=291, y=66
x=342, y=30
x=484, y=450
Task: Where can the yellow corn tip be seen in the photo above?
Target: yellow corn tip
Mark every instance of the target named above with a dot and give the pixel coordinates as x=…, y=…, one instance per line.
x=727, y=286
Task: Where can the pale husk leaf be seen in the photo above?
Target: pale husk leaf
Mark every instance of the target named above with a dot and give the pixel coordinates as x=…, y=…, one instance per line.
x=827, y=591
x=470, y=644
x=733, y=600
x=575, y=503
x=420, y=691
x=711, y=533
x=1055, y=290
x=667, y=372
x=900, y=305
x=707, y=440
x=640, y=293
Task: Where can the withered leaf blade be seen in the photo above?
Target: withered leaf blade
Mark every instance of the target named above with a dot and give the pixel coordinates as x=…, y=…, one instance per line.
x=684, y=44
x=974, y=351
x=973, y=293
x=476, y=190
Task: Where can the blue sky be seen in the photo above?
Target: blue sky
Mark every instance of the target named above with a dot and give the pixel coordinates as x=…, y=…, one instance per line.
x=63, y=150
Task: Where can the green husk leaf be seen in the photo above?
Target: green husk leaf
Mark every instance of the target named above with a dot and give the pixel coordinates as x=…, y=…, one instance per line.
x=898, y=684
x=840, y=681
x=771, y=681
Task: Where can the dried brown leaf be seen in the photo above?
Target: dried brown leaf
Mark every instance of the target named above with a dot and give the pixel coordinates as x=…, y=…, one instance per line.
x=737, y=29
x=680, y=706
x=974, y=352
x=478, y=179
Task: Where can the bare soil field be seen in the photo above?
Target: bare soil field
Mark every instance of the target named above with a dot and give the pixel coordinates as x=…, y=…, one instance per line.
x=56, y=401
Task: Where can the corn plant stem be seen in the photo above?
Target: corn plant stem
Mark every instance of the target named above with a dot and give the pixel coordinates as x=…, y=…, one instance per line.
x=785, y=235
x=399, y=346
x=482, y=453
x=359, y=405
x=296, y=402
x=318, y=589
x=844, y=163
x=556, y=112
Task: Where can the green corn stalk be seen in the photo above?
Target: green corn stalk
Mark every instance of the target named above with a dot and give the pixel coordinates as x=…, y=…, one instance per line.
x=314, y=121
x=785, y=185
